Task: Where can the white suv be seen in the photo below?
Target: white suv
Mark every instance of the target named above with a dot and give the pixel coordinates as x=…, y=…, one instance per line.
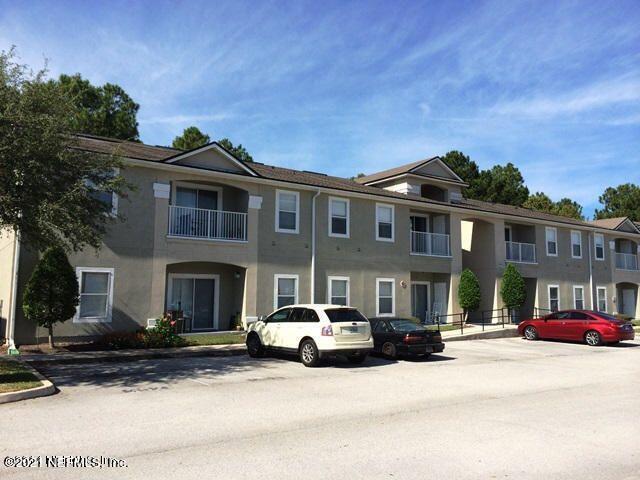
x=313, y=332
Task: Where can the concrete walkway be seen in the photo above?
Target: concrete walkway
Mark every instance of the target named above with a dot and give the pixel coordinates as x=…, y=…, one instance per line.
x=475, y=332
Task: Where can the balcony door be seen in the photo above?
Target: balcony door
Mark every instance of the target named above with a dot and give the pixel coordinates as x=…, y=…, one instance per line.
x=196, y=298
x=195, y=212
x=197, y=198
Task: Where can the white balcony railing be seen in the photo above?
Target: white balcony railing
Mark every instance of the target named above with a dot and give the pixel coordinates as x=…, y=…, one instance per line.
x=626, y=261
x=521, y=252
x=434, y=244
x=208, y=224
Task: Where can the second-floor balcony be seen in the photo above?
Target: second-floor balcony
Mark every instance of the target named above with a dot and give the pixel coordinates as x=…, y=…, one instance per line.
x=521, y=252
x=201, y=223
x=626, y=261
x=432, y=244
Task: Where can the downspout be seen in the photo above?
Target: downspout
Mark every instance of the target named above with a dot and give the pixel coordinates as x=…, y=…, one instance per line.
x=11, y=321
x=313, y=248
x=590, y=271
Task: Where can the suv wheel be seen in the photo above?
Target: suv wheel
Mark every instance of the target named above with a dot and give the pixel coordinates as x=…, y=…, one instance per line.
x=309, y=355
x=254, y=346
x=593, y=338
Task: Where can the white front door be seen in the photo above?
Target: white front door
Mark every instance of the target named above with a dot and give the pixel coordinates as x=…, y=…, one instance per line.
x=196, y=296
x=628, y=302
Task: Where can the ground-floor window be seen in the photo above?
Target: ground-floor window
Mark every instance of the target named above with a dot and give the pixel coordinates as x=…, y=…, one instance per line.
x=578, y=297
x=385, y=296
x=338, y=293
x=285, y=290
x=554, y=298
x=602, y=299
x=96, y=294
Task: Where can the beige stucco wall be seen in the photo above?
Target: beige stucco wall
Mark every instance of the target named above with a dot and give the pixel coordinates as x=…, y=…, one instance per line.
x=7, y=250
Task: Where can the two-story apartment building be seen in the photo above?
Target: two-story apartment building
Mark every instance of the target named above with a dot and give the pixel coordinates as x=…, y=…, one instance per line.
x=218, y=240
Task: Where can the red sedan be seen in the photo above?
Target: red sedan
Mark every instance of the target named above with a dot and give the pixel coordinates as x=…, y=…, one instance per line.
x=594, y=328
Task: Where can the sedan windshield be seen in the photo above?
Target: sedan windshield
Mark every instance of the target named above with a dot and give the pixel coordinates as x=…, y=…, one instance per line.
x=404, y=325
x=337, y=315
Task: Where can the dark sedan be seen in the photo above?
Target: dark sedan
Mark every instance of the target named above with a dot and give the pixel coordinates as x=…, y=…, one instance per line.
x=401, y=336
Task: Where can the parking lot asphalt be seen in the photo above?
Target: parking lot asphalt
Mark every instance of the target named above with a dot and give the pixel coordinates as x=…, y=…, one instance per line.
x=503, y=408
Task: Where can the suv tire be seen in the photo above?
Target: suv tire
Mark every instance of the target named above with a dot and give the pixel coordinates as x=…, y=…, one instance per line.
x=309, y=354
x=255, y=349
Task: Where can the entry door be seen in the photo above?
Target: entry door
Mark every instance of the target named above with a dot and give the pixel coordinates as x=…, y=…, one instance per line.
x=440, y=303
x=628, y=302
x=420, y=301
x=196, y=297
x=204, y=304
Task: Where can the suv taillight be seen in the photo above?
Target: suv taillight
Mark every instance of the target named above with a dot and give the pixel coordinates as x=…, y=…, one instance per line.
x=327, y=331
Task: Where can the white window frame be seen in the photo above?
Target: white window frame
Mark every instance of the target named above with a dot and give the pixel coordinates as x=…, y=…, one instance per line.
x=575, y=306
x=579, y=243
x=546, y=241
x=393, y=296
x=289, y=276
x=549, y=287
x=108, y=317
x=606, y=306
x=297, y=211
x=595, y=247
x=348, y=217
x=330, y=280
x=393, y=222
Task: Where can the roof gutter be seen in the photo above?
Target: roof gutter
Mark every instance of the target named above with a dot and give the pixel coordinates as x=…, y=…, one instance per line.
x=313, y=248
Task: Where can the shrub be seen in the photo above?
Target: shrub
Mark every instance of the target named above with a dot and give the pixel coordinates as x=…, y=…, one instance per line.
x=51, y=294
x=163, y=335
x=469, y=291
x=513, y=290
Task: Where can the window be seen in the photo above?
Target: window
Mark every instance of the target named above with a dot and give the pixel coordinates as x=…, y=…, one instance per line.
x=287, y=211
x=338, y=217
x=554, y=298
x=96, y=294
x=285, y=290
x=579, y=316
x=110, y=199
x=576, y=244
x=337, y=315
x=385, y=293
x=384, y=222
x=310, y=316
x=598, y=240
x=338, y=293
x=206, y=199
x=296, y=315
x=279, y=316
x=578, y=297
x=382, y=327
x=602, y=299
x=551, y=234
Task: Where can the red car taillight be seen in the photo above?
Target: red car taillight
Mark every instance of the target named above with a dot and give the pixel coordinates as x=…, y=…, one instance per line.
x=412, y=339
x=327, y=331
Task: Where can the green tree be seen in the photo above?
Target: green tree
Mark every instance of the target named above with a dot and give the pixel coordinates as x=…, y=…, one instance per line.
x=564, y=207
x=191, y=138
x=106, y=110
x=501, y=184
x=49, y=192
x=237, y=151
x=51, y=294
x=468, y=292
x=620, y=201
x=466, y=169
x=513, y=290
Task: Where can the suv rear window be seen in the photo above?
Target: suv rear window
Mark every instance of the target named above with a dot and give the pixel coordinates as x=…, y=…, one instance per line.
x=344, y=315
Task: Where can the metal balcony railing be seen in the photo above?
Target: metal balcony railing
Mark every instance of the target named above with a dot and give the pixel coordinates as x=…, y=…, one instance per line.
x=626, y=261
x=202, y=223
x=433, y=244
x=521, y=252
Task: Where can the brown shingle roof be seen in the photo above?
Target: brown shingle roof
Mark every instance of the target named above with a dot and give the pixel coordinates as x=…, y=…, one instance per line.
x=141, y=151
x=610, y=223
x=392, y=172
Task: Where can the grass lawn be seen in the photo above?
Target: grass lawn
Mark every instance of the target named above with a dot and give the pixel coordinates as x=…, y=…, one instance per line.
x=219, y=339
x=14, y=377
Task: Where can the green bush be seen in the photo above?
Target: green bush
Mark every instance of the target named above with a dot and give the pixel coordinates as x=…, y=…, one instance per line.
x=162, y=336
x=513, y=290
x=469, y=291
x=51, y=294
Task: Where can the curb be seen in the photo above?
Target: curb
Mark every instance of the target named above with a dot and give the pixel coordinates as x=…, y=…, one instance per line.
x=47, y=388
x=133, y=355
x=502, y=333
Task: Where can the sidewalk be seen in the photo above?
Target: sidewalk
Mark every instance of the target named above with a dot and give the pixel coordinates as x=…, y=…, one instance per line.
x=134, y=354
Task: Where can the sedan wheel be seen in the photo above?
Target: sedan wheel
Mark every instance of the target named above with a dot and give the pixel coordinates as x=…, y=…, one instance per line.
x=309, y=354
x=530, y=333
x=389, y=350
x=593, y=338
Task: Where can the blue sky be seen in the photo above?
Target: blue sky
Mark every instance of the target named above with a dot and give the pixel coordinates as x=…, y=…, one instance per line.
x=347, y=87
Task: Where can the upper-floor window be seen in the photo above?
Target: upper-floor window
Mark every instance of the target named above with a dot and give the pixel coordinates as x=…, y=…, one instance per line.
x=551, y=234
x=287, y=211
x=200, y=198
x=110, y=199
x=598, y=240
x=576, y=244
x=384, y=222
x=338, y=217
